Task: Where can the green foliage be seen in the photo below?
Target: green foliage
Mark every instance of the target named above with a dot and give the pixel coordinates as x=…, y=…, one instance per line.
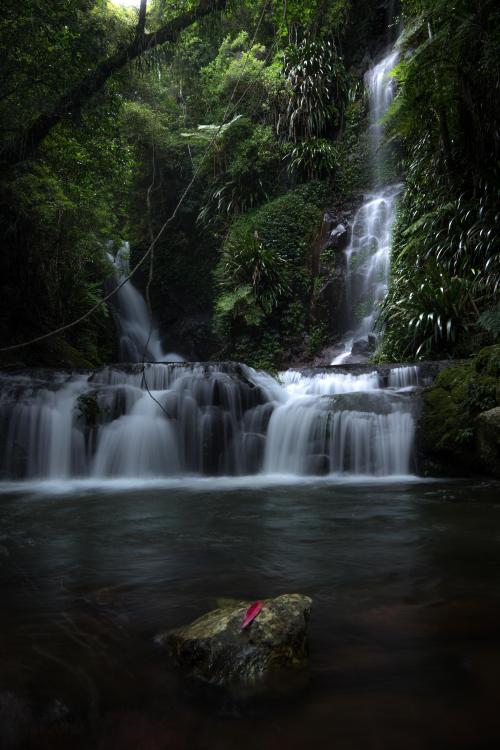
x=317, y=84
x=264, y=272
x=57, y=212
x=446, y=256
x=352, y=172
x=244, y=74
x=252, y=277
x=314, y=159
x=243, y=173
x=318, y=337
x=451, y=406
x=88, y=410
x=490, y=321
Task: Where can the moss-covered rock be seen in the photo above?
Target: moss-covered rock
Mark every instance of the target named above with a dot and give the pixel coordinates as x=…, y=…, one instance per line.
x=453, y=435
x=215, y=650
x=488, y=440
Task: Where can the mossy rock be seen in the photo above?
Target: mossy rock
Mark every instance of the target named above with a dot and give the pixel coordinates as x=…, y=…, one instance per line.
x=488, y=440
x=454, y=376
x=487, y=361
x=442, y=422
x=449, y=428
x=214, y=649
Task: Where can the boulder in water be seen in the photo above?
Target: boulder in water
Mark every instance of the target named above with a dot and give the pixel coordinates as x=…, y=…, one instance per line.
x=215, y=650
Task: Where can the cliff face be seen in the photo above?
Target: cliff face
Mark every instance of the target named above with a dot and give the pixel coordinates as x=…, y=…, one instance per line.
x=371, y=29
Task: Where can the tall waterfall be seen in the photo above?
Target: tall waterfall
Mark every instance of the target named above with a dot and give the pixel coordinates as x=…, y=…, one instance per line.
x=368, y=254
x=139, y=339
x=204, y=420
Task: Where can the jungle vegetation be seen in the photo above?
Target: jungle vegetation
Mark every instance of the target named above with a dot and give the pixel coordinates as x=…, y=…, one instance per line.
x=107, y=114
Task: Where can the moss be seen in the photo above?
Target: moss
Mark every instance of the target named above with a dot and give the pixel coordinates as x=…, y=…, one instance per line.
x=488, y=440
x=451, y=406
x=286, y=227
x=88, y=409
x=453, y=376
x=443, y=423
x=487, y=361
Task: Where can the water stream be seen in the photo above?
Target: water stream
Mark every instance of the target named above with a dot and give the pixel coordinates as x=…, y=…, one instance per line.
x=138, y=337
x=368, y=254
x=205, y=420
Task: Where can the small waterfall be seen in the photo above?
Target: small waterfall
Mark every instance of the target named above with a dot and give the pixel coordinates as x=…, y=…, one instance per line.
x=138, y=340
x=204, y=420
x=368, y=254
x=404, y=377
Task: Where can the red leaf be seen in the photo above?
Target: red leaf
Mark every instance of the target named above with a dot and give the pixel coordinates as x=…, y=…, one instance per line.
x=251, y=613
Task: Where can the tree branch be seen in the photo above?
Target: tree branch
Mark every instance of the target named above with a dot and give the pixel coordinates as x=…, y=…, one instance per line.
x=72, y=102
x=142, y=18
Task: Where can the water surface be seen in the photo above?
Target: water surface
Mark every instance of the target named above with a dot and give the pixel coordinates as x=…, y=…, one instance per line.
x=405, y=632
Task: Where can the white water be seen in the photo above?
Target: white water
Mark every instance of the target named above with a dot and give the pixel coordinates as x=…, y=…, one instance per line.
x=199, y=421
x=138, y=338
x=207, y=420
x=404, y=377
x=368, y=254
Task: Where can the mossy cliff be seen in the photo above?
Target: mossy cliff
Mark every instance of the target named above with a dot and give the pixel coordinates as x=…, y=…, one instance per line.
x=459, y=428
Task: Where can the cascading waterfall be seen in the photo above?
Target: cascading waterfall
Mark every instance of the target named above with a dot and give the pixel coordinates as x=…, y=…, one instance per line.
x=368, y=254
x=138, y=339
x=214, y=420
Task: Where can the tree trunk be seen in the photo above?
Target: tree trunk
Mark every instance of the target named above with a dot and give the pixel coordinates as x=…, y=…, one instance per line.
x=72, y=101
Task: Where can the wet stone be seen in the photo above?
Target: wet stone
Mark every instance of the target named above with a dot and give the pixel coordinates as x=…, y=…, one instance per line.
x=215, y=650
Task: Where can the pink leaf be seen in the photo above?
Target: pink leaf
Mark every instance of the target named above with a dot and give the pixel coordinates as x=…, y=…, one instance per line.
x=251, y=613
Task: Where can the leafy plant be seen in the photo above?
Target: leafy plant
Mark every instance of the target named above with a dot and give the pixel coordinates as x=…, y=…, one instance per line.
x=317, y=81
x=247, y=266
x=446, y=252
x=490, y=321
x=314, y=159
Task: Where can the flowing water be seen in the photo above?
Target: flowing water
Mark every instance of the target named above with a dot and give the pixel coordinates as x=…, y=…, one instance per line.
x=404, y=634
x=132, y=497
x=367, y=257
x=138, y=337
x=205, y=419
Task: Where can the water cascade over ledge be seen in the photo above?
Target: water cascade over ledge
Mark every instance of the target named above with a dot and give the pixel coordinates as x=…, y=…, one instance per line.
x=205, y=420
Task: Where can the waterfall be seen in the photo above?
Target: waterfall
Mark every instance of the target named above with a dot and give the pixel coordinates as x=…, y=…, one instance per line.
x=368, y=254
x=204, y=420
x=138, y=338
x=197, y=420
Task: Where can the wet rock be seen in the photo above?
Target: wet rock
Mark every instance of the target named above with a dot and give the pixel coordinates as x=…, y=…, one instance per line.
x=215, y=650
x=339, y=237
x=362, y=347
x=488, y=440
x=318, y=465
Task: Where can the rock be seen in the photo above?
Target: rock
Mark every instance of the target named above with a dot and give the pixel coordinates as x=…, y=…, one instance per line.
x=361, y=347
x=456, y=433
x=339, y=237
x=488, y=440
x=215, y=650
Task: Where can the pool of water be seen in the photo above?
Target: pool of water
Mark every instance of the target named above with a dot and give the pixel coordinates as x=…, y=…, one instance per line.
x=404, y=636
